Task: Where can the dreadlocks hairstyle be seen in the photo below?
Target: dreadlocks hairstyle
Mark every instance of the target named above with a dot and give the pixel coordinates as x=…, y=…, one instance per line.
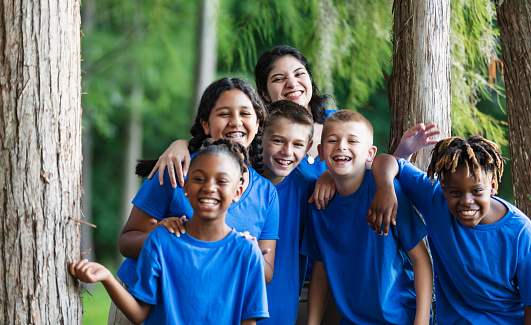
x=208, y=100
x=232, y=150
x=475, y=153
x=265, y=65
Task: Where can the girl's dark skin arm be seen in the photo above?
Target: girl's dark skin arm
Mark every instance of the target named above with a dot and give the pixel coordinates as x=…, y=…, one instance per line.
x=139, y=226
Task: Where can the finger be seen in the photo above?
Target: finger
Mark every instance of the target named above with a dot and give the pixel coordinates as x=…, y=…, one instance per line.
x=154, y=170
x=161, y=173
x=180, y=176
x=386, y=223
x=311, y=199
x=180, y=224
x=171, y=171
x=378, y=224
x=71, y=268
x=186, y=165
x=393, y=217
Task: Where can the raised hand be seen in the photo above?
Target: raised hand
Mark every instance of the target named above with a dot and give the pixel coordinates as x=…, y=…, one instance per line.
x=416, y=138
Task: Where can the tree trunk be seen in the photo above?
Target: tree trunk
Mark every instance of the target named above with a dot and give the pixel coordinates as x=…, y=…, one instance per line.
x=514, y=21
x=40, y=161
x=419, y=87
x=207, y=44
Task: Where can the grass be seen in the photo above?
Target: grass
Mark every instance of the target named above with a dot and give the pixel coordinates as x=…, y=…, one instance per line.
x=96, y=303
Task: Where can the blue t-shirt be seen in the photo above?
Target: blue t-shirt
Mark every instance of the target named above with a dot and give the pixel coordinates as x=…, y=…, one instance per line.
x=256, y=211
x=370, y=275
x=483, y=273
x=284, y=290
x=189, y=281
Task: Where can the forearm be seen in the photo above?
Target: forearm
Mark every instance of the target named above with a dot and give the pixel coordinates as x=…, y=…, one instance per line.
x=423, y=273
x=130, y=243
x=248, y=322
x=527, y=315
x=268, y=246
x=134, y=310
x=317, y=294
x=384, y=169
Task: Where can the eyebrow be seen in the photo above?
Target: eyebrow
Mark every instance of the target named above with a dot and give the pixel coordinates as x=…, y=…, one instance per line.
x=281, y=74
x=229, y=107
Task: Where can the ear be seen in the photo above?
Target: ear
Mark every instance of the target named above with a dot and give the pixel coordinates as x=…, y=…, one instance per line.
x=205, y=127
x=372, y=153
x=320, y=151
x=309, y=146
x=493, y=189
x=266, y=96
x=185, y=187
x=238, y=194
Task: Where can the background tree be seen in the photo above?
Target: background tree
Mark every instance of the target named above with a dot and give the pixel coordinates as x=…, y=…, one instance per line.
x=40, y=161
x=514, y=20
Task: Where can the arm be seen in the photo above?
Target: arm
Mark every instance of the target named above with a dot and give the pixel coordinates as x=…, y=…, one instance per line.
x=317, y=293
x=139, y=226
x=176, y=155
x=423, y=271
x=325, y=189
x=527, y=315
x=382, y=211
x=251, y=321
x=267, y=246
x=415, y=139
x=135, y=310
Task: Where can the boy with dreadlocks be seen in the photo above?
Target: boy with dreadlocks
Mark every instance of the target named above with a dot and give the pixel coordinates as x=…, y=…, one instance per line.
x=481, y=244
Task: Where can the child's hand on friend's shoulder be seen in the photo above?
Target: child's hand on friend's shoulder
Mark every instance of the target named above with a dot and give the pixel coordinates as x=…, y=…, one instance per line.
x=247, y=235
x=382, y=212
x=324, y=191
x=174, y=225
x=89, y=272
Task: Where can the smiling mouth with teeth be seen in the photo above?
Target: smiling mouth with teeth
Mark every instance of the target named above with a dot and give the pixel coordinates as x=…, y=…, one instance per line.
x=208, y=201
x=342, y=158
x=294, y=94
x=468, y=212
x=234, y=135
x=284, y=162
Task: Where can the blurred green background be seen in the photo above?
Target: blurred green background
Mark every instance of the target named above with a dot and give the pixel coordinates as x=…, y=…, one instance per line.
x=141, y=60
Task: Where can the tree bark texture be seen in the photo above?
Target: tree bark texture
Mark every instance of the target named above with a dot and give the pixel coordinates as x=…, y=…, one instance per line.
x=419, y=87
x=40, y=161
x=514, y=21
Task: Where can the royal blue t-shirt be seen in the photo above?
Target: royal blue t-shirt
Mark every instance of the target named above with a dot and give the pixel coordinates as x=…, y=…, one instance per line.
x=370, y=276
x=190, y=281
x=284, y=290
x=482, y=273
x=256, y=211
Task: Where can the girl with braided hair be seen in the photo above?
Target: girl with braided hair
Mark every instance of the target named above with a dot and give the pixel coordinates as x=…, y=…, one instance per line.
x=229, y=109
x=481, y=244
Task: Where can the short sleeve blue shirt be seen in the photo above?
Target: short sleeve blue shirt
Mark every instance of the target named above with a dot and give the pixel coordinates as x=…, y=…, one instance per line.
x=256, y=211
x=483, y=273
x=189, y=281
x=370, y=275
x=283, y=290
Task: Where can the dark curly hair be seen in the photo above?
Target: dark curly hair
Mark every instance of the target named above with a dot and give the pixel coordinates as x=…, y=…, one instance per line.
x=476, y=153
x=265, y=65
x=232, y=150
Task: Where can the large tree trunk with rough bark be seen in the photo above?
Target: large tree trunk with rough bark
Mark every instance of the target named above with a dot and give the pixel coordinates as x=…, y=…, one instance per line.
x=419, y=87
x=514, y=21
x=40, y=161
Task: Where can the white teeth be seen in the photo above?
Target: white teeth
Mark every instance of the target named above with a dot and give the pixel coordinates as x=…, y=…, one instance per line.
x=342, y=158
x=468, y=212
x=284, y=162
x=294, y=94
x=234, y=135
x=208, y=201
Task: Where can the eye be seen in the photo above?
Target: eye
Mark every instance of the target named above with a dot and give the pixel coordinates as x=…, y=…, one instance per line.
x=299, y=145
x=477, y=191
x=199, y=179
x=223, y=181
x=298, y=74
x=455, y=193
x=278, y=79
x=353, y=141
x=331, y=140
x=277, y=141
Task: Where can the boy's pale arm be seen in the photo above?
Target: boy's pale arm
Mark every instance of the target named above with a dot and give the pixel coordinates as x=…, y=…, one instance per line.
x=423, y=272
x=324, y=191
x=267, y=246
x=317, y=294
x=251, y=321
x=89, y=272
x=527, y=315
x=174, y=157
x=382, y=212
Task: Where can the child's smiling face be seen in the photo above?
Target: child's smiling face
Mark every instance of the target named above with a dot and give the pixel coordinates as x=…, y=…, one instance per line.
x=289, y=80
x=285, y=145
x=213, y=183
x=233, y=117
x=346, y=147
x=468, y=198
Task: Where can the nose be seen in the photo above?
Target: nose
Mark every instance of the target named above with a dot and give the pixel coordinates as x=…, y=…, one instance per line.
x=341, y=145
x=235, y=120
x=467, y=199
x=209, y=186
x=287, y=149
x=291, y=82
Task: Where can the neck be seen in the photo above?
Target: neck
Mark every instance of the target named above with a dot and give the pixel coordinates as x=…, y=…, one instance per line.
x=207, y=230
x=270, y=176
x=348, y=184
